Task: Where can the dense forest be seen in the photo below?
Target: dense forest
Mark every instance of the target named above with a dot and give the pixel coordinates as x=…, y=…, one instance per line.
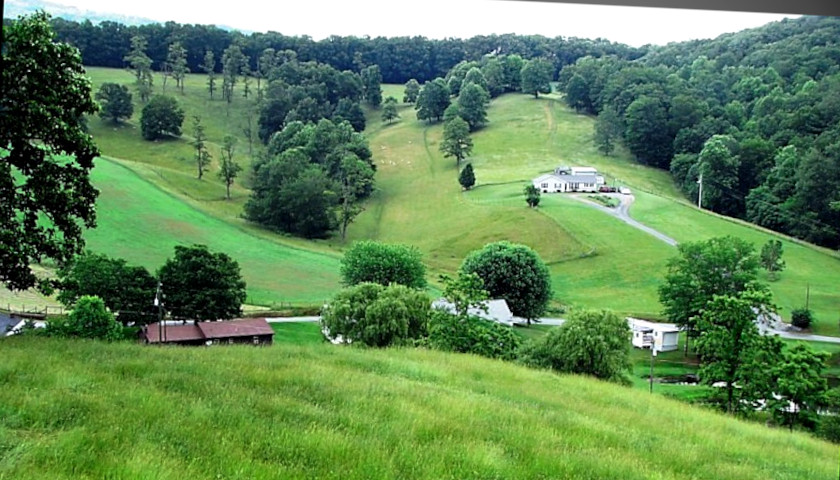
x=402, y=58
x=754, y=116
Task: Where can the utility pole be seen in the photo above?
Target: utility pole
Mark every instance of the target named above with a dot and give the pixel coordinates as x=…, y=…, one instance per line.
x=652, y=356
x=700, y=193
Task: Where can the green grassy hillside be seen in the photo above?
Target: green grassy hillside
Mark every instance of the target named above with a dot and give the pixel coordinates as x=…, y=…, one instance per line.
x=595, y=260
x=319, y=411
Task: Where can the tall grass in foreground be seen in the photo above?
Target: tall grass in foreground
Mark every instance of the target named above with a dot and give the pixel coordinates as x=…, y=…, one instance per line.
x=71, y=409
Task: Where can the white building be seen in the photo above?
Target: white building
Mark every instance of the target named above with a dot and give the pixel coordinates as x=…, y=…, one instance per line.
x=496, y=310
x=570, y=179
x=664, y=336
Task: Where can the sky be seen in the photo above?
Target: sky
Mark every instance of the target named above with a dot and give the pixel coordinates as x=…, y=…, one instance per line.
x=635, y=26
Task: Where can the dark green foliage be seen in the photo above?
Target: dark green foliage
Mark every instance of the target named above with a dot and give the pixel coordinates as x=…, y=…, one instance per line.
x=577, y=93
x=382, y=263
x=128, y=291
x=201, y=285
x=701, y=270
x=433, y=100
x=771, y=258
x=47, y=156
x=160, y=117
x=412, y=91
x=719, y=164
x=595, y=343
x=801, y=317
x=376, y=316
x=608, y=130
x=88, y=319
x=114, y=102
x=532, y=196
x=494, y=75
x=801, y=382
x=468, y=334
x=515, y=273
x=472, y=104
x=467, y=177
x=350, y=111
x=645, y=136
x=456, y=140
x=536, y=76
x=371, y=85
x=389, y=110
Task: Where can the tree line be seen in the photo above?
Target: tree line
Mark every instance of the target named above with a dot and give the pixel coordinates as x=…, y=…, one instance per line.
x=400, y=58
x=754, y=115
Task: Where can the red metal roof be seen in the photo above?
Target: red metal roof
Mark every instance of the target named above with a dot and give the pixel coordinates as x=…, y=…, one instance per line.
x=236, y=328
x=173, y=333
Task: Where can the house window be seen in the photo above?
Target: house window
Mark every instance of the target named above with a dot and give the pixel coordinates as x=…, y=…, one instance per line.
x=544, y=185
x=256, y=340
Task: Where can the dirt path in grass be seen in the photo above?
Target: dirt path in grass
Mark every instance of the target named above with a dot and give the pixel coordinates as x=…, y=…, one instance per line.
x=622, y=212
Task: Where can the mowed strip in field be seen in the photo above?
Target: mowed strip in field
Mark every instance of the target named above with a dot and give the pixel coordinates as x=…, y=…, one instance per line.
x=322, y=411
x=141, y=223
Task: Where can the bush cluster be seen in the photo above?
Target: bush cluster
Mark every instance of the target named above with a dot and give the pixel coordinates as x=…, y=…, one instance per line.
x=471, y=334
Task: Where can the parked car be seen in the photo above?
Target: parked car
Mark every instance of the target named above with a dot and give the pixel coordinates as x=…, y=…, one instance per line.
x=607, y=189
x=624, y=191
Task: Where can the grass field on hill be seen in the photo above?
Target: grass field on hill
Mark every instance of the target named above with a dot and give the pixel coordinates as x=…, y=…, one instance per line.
x=142, y=224
x=320, y=411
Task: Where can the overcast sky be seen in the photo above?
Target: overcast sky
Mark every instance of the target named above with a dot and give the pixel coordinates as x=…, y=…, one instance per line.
x=634, y=26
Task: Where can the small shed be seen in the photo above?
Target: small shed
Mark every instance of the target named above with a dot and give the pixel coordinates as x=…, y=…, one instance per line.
x=664, y=336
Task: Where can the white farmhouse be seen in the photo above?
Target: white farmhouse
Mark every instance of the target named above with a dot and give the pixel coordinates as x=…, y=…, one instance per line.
x=570, y=179
x=664, y=336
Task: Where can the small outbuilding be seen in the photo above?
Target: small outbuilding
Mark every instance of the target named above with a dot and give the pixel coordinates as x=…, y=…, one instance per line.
x=496, y=310
x=254, y=331
x=665, y=337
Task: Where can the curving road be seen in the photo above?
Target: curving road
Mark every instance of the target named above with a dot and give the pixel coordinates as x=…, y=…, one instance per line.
x=622, y=212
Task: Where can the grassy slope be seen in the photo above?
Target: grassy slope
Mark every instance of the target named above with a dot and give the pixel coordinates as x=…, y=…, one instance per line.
x=127, y=411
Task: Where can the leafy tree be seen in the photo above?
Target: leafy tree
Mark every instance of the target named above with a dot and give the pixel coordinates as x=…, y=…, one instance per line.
x=728, y=339
x=646, y=136
x=701, y=270
x=209, y=67
x=266, y=63
x=590, y=342
x=475, y=335
x=202, y=155
x=536, y=77
x=467, y=177
x=577, y=93
x=494, y=74
x=456, y=140
x=127, y=290
x=245, y=72
x=350, y=111
x=801, y=386
x=801, y=317
x=433, y=100
x=161, y=116
x=232, y=61
x=114, y=101
x=389, y=110
x=47, y=155
x=142, y=66
x=371, y=85
x=512, y=66
x=355, y=178
x=771, y=257
x=513, y=272
x=465, y=291
x=608, y=129
x=176, y=61
x=472, y=104
x=228, y=168
x=376, y=315
x=475, y=76
x=88, y=319
x=202, y=285
x=532, y=195
x=719, y=166
x=382, y=263
x=412, y=91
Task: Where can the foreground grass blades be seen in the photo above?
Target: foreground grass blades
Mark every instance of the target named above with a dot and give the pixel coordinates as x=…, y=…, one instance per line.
x=319, y=411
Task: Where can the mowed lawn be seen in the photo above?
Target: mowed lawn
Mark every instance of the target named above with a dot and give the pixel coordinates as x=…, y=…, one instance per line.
x=321, y=411
x=141, y=223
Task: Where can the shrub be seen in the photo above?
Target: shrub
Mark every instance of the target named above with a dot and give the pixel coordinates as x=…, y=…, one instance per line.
x=89, y=319
x=376, y=316
x=382, y=263
x=801, y=318
x=469, y=334
x=161, y=116
x=595, y=343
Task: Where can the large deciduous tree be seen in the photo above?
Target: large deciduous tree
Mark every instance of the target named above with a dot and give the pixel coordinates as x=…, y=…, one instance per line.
x=127, y=290
x=114, y=101
x=515, y=273
x=433, y=100
x=160, y=117
x=535, y=77
x=645, y=135
x=46, y=197
x=701, y=270
x=608, y=130
x=176, y=61
x=456, y=140
x=88, y=319
x=801, y=386
x=142, y=66
x=389, y=110
x=412, y=91
x=201, y=285
x=383, y=263
x=209, y=67
x=371, y=85
x=472, y=104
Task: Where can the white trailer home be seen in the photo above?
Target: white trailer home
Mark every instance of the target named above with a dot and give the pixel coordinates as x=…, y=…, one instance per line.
x=664, y=336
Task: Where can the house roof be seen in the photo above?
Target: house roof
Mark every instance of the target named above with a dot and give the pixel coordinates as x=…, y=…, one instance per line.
x=567, y=178
x=236, y=328
x=208, y=330
x=497, y=310
x=636, y=323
